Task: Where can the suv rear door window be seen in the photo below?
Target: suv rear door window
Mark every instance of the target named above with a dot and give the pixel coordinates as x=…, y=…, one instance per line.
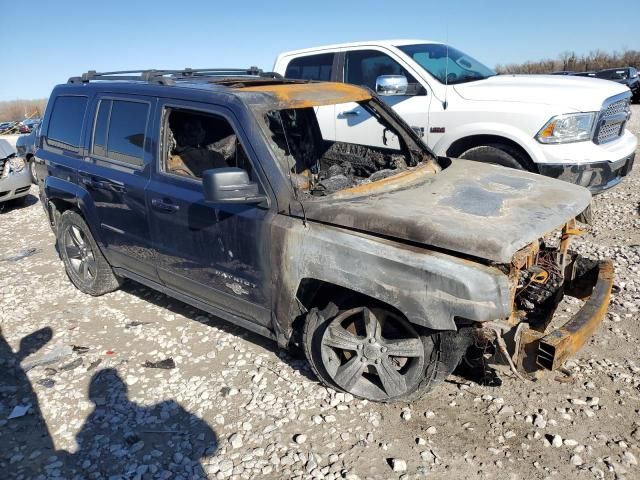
x=65, y=125
x=312, y=67
x=119, y=132
x=363, y=67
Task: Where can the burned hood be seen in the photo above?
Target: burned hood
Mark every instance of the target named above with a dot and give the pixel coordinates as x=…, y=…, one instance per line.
x=475, y=209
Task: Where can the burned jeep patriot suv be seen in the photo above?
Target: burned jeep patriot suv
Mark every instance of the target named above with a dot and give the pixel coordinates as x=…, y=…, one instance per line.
x=385, y=264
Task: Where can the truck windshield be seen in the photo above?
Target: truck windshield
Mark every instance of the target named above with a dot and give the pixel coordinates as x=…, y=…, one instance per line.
x=446, y=64
x=324, y=149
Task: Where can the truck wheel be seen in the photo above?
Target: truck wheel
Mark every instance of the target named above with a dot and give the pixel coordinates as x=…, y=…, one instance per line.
x=499, y=154
x=32, y=170
x=86, y=267
x=371, y=353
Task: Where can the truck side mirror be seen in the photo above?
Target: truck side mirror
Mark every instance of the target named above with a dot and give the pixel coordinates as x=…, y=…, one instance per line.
x=391, y=85
x=230, y=185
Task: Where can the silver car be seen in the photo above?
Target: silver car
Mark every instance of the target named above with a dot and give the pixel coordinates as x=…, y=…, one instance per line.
x=15, y=179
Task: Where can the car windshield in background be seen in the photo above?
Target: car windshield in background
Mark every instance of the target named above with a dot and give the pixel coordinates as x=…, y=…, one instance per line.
x=322, y=157
x=617, y=74
x=446, y=64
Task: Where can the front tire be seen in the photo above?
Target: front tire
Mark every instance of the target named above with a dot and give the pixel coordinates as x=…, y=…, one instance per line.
x=32, y=170
x=499, y=154
x=372, y=353
x=86, y=267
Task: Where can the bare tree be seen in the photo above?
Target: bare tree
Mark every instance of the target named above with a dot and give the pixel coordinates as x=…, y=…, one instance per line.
x=14, y=110
x=595, y=60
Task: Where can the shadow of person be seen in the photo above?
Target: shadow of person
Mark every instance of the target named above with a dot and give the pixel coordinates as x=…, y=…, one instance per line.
x=123, y=439
x=25, y=440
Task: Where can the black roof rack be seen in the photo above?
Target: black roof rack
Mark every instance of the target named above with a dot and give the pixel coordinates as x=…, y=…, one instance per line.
x=168, y=77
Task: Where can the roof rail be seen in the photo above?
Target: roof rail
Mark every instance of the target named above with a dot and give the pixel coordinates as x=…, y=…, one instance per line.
x=168, y=77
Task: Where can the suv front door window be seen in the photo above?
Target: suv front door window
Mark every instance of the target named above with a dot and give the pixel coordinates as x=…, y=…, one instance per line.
x=216, y=253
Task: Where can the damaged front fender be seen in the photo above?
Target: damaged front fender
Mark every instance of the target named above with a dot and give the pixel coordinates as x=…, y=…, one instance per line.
x=430, y=288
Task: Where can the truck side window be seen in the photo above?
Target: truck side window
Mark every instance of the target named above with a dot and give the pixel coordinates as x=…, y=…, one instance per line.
x=119, y=131
x=197, y=141
x=362, y=67
x=312, y=67
x=65, y=124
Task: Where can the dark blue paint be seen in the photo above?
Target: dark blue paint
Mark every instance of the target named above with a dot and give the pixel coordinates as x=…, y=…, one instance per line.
x=158, y=226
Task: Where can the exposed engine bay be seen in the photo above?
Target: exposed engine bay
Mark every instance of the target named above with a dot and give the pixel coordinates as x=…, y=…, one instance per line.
x=542, y=276
x=320, y=164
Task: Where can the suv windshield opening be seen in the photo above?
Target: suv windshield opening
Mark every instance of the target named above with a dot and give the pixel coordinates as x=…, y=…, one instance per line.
x=322, y=157
x=446, y=64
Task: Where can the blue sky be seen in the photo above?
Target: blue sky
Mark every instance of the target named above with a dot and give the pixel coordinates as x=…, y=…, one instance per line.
x=56, y=39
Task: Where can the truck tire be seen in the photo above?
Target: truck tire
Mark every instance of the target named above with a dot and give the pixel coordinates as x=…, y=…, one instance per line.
x=499, y=154
x=352, y=350
x=32, y=170
x=86, y=267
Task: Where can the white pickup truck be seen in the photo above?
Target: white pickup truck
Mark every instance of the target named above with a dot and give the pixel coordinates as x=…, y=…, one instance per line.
x=572, y=128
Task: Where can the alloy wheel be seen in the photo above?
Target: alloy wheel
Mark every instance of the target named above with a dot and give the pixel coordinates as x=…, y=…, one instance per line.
x=80, y=253
x=373, y=353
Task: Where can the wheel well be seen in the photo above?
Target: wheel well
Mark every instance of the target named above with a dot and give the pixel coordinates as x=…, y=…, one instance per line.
x=317, y=293
x=463, y=144
x=56, y=207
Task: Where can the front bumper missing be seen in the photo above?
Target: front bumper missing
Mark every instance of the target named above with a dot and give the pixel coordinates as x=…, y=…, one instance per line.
x=535, y=350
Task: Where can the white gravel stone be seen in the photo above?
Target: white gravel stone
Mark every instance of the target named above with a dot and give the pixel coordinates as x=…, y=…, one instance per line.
x=398, y=465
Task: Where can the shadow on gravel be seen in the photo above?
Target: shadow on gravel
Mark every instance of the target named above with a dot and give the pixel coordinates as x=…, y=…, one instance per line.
x=119, y=439
x=294, y=360
x=25, y=440
x=23, y=202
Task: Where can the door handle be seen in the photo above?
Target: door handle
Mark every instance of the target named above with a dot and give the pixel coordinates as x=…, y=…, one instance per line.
x=162, y=206
x=93, y=183
x=349, y=113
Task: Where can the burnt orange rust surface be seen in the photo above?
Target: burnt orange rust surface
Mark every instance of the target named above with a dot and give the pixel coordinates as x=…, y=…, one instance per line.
x=569, y=338
x=301, y=95
x=403, y=178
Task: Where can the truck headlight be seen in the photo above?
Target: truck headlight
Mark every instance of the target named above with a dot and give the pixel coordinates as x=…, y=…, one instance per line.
x=571, y=127
x=16, y=164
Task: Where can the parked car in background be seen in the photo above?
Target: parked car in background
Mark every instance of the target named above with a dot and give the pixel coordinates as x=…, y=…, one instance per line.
x=626, y=76
x=26, y=148
x=15, y=180
x=584, y=74
x=564, y=127
x=384, y=264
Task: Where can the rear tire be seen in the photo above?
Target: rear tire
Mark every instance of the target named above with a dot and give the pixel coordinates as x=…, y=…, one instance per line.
x=353, y=350
x=86, y=267
x=499, y=154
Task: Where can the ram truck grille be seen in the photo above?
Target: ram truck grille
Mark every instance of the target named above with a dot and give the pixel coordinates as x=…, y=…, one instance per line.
x=4, y=167
x=612, y=119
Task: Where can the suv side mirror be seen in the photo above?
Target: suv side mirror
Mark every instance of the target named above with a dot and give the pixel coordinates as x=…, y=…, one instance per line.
x=392, y=85
x=230, y=185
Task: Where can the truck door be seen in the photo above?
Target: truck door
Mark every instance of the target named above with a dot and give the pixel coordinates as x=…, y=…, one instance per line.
x=363, y=67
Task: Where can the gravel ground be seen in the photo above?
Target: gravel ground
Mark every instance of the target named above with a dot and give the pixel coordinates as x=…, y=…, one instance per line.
x=236, y=407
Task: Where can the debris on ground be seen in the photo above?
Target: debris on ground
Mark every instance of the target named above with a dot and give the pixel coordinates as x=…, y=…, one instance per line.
x=166, y=364
x=19, y=411
x=57, y=353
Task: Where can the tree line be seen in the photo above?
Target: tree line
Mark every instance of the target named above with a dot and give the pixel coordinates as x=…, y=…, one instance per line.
x=594, y=61
x=12, y=110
